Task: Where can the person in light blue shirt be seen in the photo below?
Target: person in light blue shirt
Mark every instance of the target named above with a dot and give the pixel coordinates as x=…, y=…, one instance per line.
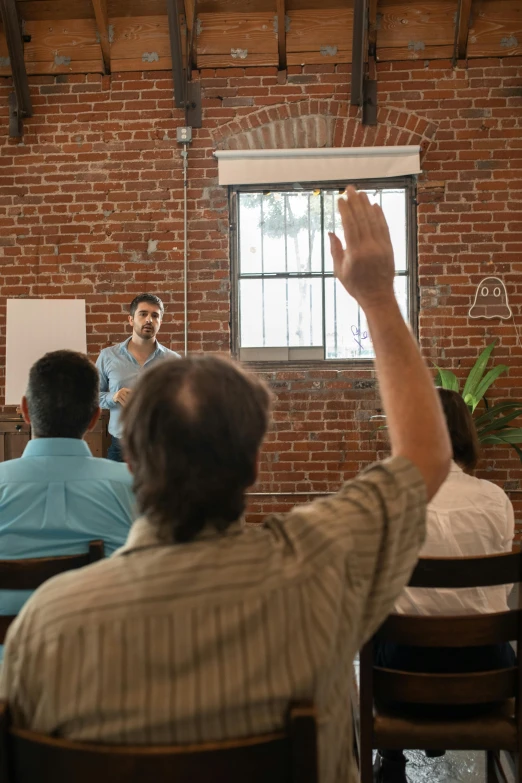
x=121, y=365
x=57, y=497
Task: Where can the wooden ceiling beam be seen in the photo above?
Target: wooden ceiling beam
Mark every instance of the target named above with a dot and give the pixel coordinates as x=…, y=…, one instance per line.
x=191, y=21
x=360, y=22
x=281, y=34
x=102, y=23
x=462, y=29
x=20, y=105
x=178, y=72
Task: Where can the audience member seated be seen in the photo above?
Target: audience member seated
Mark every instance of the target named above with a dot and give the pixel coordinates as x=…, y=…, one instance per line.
x=467, y=517
x=57, y=497
x=202, y=628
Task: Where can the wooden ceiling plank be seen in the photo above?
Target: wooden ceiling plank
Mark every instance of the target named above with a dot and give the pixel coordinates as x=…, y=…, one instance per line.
x=320, y=31
x=281, y=34
x=136, y=8
x=42, y=10
x=102, y=23
x=228, y=61
x=416, y=25
x=144, y=39
x=496, y=29
x=237, y=35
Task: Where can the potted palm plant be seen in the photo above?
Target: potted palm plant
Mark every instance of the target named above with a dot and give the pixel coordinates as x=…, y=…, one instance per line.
x=495, y=423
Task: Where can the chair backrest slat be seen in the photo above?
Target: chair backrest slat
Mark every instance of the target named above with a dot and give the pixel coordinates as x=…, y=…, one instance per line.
x=478, y=688
x=31, y=573
x=283, y=757
x=455, y=572
x=453, y=631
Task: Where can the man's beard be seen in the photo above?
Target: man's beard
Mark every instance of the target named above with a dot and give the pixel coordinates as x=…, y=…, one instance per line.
x=147, y=334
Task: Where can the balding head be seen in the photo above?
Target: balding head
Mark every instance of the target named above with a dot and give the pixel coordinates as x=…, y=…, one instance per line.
x=192, y=432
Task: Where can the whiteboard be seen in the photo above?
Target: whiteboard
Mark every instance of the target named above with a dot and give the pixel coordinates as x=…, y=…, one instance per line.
x=35, y=327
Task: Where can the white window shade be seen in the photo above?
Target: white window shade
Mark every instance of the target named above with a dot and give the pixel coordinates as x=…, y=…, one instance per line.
x=256, y=167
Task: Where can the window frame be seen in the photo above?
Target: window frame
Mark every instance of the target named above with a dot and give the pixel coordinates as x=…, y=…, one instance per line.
x=409, y=183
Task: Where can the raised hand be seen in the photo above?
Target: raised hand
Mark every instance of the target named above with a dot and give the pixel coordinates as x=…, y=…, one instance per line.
x=366, y=268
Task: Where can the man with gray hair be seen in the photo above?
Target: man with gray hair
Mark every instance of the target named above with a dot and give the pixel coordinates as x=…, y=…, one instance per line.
x=202, y=628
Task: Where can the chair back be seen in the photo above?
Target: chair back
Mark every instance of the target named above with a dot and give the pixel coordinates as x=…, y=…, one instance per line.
x=282, y=757
x=31, y=573
x=450, y=632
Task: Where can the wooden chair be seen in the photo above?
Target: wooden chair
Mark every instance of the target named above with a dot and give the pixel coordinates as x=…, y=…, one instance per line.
x=282, y=757
x=499, y=730
x=30, y=574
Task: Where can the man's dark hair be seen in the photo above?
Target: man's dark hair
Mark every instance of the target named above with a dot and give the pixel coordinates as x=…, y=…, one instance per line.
x=191, y=432
x=461, y=427
x=62, y=394
x=150, y=299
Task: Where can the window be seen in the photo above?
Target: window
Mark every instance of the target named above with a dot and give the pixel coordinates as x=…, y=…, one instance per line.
x=287, y=303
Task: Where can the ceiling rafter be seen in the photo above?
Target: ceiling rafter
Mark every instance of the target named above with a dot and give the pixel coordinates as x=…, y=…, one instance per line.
x=360, y=17
x=178, y=71
x=187, y=93
x=191, y=24
x=102, y=23
x=370, y=80
x=281, y=34
x=20, y=105
x=462, y=29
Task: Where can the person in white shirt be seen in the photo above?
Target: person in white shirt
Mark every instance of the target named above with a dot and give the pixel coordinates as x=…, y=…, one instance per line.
x=467, y=517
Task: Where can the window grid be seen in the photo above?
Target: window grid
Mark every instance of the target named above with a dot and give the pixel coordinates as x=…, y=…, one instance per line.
x=328, y=207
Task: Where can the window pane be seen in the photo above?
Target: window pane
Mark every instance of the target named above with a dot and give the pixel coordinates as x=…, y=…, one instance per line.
x=280, y=232
x=400, y=285
x=332, y=222
x=394, y=208
x=278, y=312
x=285, y=234
x=250, y=237
x=347, y=335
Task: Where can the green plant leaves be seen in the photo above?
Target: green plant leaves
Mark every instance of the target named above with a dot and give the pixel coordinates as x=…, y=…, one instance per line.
x=447, y=379
x=510, y=435
x=494, y=425
x=500, y=407
x=486, y=382
x=499, y=423
x=477, y=371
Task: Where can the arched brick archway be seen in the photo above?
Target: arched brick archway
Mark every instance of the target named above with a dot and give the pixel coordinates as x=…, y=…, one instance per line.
x=314, y=124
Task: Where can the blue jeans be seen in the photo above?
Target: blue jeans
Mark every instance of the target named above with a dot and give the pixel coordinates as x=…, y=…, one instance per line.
x=114, y=451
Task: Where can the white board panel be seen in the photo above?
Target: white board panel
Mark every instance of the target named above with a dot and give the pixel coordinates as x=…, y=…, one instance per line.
x=35, y=327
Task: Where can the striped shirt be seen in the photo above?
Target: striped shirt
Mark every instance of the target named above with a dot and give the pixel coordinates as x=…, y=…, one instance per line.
x=182, y=643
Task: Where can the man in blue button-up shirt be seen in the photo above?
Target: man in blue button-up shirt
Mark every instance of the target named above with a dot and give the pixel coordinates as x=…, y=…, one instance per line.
x=57, y=497
x=121, y=365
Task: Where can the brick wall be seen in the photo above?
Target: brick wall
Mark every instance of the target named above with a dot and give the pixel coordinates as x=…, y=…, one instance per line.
x=91, y=206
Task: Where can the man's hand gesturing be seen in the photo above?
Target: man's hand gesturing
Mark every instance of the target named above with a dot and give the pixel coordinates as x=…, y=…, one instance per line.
x=366, y=268
x=122, y=396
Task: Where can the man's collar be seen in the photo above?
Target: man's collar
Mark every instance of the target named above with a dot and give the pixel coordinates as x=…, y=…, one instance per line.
x=124, y=346
x=144, y=535
x=57, y=447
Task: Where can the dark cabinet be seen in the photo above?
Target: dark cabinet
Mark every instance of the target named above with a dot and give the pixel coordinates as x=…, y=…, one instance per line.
x=15, y=434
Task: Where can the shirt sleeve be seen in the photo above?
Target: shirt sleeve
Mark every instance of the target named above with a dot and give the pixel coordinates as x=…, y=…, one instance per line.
x=375, y=525
x=106, y=400
x=13, y=680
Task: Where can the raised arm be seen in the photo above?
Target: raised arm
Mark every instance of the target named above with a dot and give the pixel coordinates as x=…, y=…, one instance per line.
x=366, y=269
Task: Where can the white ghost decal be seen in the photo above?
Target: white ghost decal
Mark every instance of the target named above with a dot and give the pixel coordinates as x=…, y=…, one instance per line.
x=491, y=300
